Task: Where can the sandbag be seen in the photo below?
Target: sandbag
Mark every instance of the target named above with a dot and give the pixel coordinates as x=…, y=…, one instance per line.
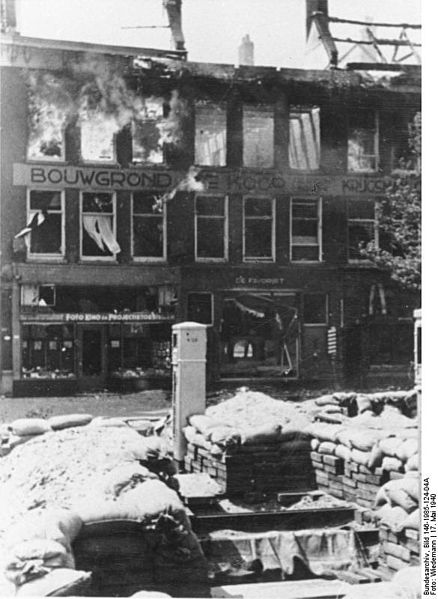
x=69, y=420
x=409, y=581
x=360, y=457
x=376, y=457
x=148, y=448
x=324, y=432
x=327, y=447
x=393, y=517
x=363, y=439
x=413, y=462
x=413, y=520
x=390, y=446
x=267, y=433
x=343, y=436
x=406, y=449
x=325, y=400
x=30, y=426
x=314, y=444
x=392, y=464
x=341, y=451
x=363, y=403
x=203, y=423
x=401, y=498
x=150, y=499
x=16, y=440
x=31, y=559
x=60, y=525
x=124, y=477
x=102, y=422
x=60, y=582
x=223, y=435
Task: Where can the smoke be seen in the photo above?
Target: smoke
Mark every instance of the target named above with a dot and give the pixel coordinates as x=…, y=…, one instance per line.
x=96, y=92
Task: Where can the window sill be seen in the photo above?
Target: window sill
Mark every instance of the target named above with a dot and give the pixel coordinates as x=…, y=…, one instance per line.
x=46, y=258
x=211, y=260
x=259, y=260
x=306, y=262
x=141, y=260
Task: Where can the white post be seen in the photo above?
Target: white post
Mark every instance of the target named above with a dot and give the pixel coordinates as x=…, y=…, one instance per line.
x=189, y=356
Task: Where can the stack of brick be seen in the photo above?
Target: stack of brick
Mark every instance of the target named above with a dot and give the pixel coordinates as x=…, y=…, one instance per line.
x=265, y=468
x=399, y=549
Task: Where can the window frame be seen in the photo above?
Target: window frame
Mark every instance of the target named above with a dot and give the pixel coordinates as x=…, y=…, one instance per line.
x=156, y=259
x=263, y=109
x=112, y=257
x=211, y=294
x=319, y=228
x=298, y=110
x=222, y=106
x=59, y=160
x=375, y=222
x=272, y=218
x=224, y=218
x=376, y=154
x=60, y=256
x=97, y=161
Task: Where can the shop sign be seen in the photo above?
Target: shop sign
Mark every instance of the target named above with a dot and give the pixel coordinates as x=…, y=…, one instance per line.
x=250, y=281
x=216, y=181
x=82, y=317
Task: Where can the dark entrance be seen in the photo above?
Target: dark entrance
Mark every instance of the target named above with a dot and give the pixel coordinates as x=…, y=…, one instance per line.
x=92, y=362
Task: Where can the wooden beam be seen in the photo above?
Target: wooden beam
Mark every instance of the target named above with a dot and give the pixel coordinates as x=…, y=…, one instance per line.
x=383, y=42
x=367, y=23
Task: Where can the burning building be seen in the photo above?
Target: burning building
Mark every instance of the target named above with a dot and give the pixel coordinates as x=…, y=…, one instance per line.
x=139, y=189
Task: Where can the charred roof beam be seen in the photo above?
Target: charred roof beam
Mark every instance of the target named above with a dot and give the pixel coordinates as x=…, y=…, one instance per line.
x=173, y=8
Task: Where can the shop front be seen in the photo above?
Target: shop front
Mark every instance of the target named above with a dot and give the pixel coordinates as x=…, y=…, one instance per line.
x=94, y=339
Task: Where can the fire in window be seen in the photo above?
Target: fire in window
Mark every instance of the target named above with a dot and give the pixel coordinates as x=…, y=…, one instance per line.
x=98, y=137
x=211, y=228
x=210, y=135
x=258, y=137
x=306, y=230
x=148, y=226
x=363, y=141
x=362, y=227
x=258, y=242
x=98, y=226
x=44, y=233
x=200, y=308
x=304, y=139
x=147, y=132
x=47, y=128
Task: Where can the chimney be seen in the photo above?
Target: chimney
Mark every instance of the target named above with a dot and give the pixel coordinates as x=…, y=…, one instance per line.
x=174, y=15
x=246, y=52
x=314, y=6
x=8, y=16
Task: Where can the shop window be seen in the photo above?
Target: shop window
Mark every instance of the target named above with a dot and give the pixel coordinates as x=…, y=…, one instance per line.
x=362, y=227
x=304, y=139
x=363, y=141
x=211, y=228
x=98, y=226
x=147, y=138
x=315, y=309
x=44, y=234
x=258, y=137
x=210, y=134
x=98, y=133
x=259, y=229
x=200, y=308
x=48, y=351
x=148, y=227
x=306, y=230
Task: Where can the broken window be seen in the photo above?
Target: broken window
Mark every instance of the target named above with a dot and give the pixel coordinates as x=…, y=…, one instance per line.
x=98, y=138
x=48, y=351
x=258, y=231
x=363, y=141
x=44, y=233
x=304, y=139
x=200, y=308
x=362, y=227
x=147, y=138
x=306, y=230
x=148, y=226
x=258, y=137
x=315, y=308
x=210, y=135
x=98, y=226
x=211, y=228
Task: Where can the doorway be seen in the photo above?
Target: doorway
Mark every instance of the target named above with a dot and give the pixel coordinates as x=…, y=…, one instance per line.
x=92, y=359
